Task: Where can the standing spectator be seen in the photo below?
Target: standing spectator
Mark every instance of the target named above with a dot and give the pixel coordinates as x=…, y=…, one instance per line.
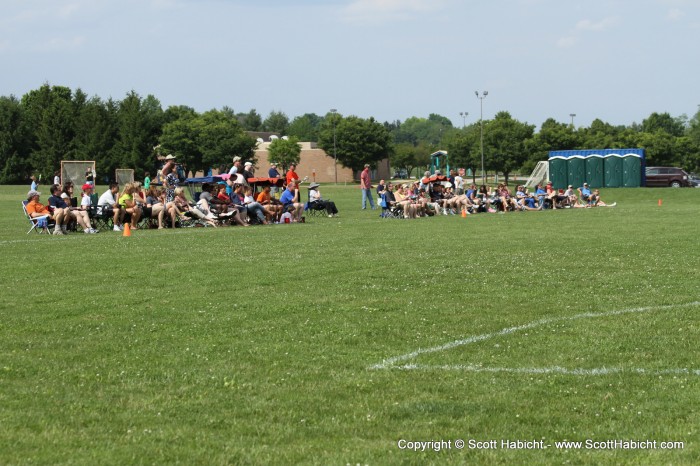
x=366, y=186
x=381, y=188
x=292, y=175
x=170, y=179
x=273, y=173
x=57, y=177
x=459, y=184
x=248, y=170
x=236, y=165
x=35, y=183
x=90, y=176
x=147, y=181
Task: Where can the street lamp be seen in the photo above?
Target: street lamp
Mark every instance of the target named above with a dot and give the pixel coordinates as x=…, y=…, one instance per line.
x=464, y=118
x=572, y=115
x=335, y=153
x=481, y=123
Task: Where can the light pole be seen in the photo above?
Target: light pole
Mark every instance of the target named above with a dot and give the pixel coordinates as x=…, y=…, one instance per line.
x=481, y=123
x=464, y=118
x=335, y=153
x=572, y=115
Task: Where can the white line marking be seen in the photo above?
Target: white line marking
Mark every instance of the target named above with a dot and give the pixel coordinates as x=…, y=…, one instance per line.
x=391, y=363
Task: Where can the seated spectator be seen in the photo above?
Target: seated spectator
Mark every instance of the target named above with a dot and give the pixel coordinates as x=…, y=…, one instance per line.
x=272, y=205
x=184, y=207
x=36, y=209
x=86, y=208
x=60, y=210
x=108, y=205
x=128, y=204
x=585, y=193
x=78, y=214
x=155, y=201
x=315, y=198
x=403, y=199
x=254, y=207
x=290, y=196
x=288, y=215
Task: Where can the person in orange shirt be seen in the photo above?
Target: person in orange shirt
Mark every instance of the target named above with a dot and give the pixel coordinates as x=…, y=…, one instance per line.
x=272, y=206
x=36, y=209
x=292, y=175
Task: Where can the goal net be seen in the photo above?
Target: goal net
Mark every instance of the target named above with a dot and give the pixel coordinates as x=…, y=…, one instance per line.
x=539, y=175
x=77, y=171
x=124, y=175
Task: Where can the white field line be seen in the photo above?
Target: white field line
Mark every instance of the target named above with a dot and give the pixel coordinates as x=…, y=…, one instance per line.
x=392, y=363
x=546, y=370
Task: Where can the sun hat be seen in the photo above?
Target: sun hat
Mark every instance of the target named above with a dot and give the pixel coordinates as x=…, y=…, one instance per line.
x=170, y=157
x=236, y=159
x=314, y=185
x=248, y=164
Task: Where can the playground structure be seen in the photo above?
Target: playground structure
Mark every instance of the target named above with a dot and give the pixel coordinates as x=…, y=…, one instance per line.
x=440, y=160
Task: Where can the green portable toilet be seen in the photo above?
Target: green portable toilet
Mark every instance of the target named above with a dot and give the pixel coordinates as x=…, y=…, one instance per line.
x=558, y=173
x=631, y=171
x=595, y=173
x=577, y=171
x=613, y=171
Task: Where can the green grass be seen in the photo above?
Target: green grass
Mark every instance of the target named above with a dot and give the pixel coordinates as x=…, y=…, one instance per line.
x=256, y=345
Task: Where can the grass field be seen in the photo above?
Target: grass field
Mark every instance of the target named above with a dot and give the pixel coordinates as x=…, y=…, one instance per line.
x=341, y=340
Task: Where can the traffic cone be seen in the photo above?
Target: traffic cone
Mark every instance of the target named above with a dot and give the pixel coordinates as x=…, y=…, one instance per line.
x=464, y=212
x=127, y=229
x=659, y=202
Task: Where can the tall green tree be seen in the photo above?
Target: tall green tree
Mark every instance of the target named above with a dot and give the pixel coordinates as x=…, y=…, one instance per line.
x=50, y=116
x=305, y=127
x=358, y=141
x=251, y=121
x=285, y=152
x=276, y=122
x=504, y=143
x=15, y=166
x=406, y=156
x=664, y=122
x=139, y=125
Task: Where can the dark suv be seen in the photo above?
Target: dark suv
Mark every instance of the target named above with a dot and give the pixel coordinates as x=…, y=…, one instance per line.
x=667, y=176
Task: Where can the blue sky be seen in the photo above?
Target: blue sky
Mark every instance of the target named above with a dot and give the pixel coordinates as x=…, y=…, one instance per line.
x=390, y=59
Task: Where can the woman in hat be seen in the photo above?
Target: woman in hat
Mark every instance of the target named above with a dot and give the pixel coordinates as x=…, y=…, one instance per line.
x=170, y=179
x=315, y=198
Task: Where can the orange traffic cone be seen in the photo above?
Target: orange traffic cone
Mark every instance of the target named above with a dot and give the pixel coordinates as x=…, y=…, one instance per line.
x=127, y=230
x=659, y=202
x=464, y=213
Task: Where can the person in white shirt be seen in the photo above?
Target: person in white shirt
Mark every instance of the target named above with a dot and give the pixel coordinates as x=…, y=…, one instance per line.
x=108, y=204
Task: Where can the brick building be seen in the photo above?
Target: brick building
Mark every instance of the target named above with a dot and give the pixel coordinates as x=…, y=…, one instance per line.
x=317, y=165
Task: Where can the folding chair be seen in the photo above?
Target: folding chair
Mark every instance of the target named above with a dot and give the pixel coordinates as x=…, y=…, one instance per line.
x=314, y=209
x=38, y=224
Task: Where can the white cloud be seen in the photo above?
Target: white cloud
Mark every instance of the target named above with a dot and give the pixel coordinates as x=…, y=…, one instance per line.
x=675, y=14
x=383, y=10
x=61, y=43
x=588, y=25
x=566, y=42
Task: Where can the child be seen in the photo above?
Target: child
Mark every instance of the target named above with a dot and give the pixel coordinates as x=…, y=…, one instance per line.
x=287, y=216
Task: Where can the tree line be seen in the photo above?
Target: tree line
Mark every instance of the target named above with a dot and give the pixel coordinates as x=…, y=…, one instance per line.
x=55, y=123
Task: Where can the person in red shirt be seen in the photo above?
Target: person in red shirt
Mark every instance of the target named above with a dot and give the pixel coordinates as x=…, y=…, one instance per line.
x=366, y=185
x=292, y=175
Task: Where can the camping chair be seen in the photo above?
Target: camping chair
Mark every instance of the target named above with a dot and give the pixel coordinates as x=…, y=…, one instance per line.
x=101, y=220
x=38, y=224
x=388, y=211
x=314, y=209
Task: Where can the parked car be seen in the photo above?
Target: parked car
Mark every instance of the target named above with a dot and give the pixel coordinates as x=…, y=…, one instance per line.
x=694, y=179
x=667, y=176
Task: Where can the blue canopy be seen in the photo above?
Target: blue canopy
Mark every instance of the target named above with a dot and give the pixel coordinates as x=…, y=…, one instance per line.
x=204, y=179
